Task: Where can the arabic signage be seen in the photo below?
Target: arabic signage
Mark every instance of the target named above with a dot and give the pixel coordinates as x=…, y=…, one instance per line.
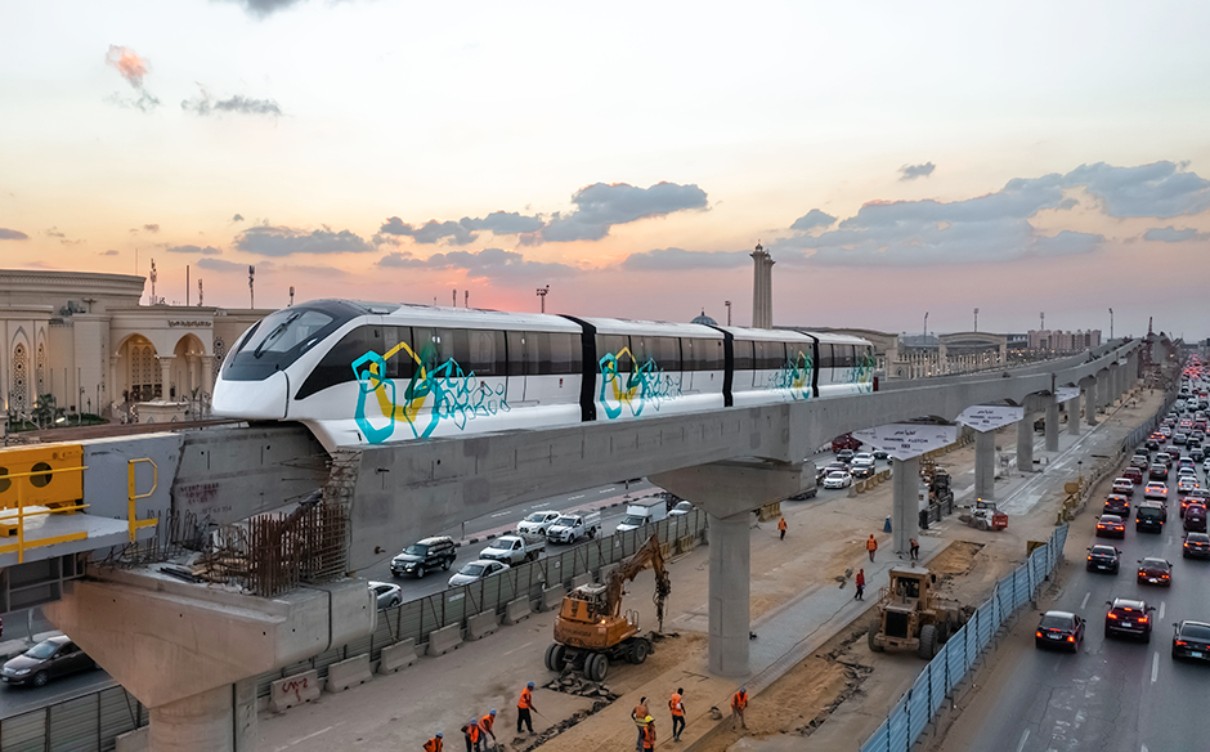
x=990, y=417
x=1065, y=393
x=903, y=441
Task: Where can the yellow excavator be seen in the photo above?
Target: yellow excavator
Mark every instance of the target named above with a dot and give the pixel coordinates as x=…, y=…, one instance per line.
x=591, y=630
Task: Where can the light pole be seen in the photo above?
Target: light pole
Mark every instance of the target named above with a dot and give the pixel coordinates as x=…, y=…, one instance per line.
x=976, y=320
x=542, y=291
x=728, y=304
x=926, y=323
x=1111, y=324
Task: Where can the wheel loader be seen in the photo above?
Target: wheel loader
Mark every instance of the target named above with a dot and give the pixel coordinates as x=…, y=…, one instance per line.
x=911, y=616
x=591, y=630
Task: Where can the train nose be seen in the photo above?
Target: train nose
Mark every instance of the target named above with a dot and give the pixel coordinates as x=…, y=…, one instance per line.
x=265, y=399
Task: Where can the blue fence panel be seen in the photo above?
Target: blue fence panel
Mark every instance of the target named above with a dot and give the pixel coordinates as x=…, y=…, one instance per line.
x=878, y=740
x=1060, y=540
x=986, y=627
x=955, y=654
x=918, y=708
x=897, y=729
x=1021, y=594
x=936, y=673
x=972, y=639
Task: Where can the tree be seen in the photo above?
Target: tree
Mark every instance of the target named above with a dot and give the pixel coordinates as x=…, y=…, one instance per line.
x=45, y=410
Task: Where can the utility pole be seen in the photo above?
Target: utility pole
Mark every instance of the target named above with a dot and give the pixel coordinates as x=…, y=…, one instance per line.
x=728, y=304
x=976, y=320
x=542, y=291
x=291, y=294
x=153, y=276
x=251, y=287
x=455, y=303
x=466, y=298
x=200, y=292
x=1111, y=324
x=926, y=323
x=187, y=290
x=1042, y=326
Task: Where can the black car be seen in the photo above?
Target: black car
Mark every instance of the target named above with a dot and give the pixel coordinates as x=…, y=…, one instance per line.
x=1117, y=504
x=1196, y=546
x=1191, y=639
x=1129, y=617
x=424, y=556
x=1151, y=444
x=881, y=454
x=1155, y=571
x=1158, y=471
x=1060, y=629
x=57, y=656
x=1197, y=453
x=1103, y=558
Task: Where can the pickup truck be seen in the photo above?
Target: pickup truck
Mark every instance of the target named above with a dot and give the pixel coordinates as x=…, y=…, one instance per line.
x=513, y=549
x=573, y=527
x=643, y=512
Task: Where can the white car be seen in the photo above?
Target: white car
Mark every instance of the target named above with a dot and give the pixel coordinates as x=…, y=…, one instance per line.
x=477, y=570
x=387, y=595
x=863, y=458
x=535, y=524
x=1186, y=483
x=1206, y=466
x=838, y=479
x=682, y=507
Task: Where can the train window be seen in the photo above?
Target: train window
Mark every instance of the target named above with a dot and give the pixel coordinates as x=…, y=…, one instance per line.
x=485, y=353
x=825, y=356
x=336, y=365
x=565, y=354
x=743, y=354
x=426, y=344
x=617, y=345
x=798, y=353
x=702, y=354
x=400, y=365
x=843, y=356
x=666, y=351
x=518, y=354
x=770, y=356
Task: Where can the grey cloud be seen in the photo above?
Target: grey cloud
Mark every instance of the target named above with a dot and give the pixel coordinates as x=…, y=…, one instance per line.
x=204, y=104
x=812, y=219
x=601, y=206
x=1170, y=234
x=151, y=228
x=110, y=252
x=1160, y=189
x=1066, y=242
x=663, y=259
x=283, y=241
x=132, y=68
x=495, y=263
x=464, y=230
x=911, y=172
x=504, y=223
x=198, y=250
x=7, y=234
x=55, y=232
x=238, y=218
x=222, y=265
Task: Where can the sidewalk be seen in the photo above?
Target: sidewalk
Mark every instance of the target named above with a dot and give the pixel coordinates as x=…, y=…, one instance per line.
x=801, y=595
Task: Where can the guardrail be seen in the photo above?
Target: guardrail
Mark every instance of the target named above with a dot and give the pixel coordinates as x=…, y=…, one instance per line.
x=920, y=704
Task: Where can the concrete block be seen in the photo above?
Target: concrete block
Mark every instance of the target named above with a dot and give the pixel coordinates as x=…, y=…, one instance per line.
x=517, y=610
x=133, y=741
x=580, y=579
x=605, y=571
x=551, y=597
x=394, y=657
x=294, y=690
x=481, y=625
x=442, y=641
x=349, y=673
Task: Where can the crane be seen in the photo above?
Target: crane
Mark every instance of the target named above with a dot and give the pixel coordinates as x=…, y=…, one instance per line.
x=592, y=629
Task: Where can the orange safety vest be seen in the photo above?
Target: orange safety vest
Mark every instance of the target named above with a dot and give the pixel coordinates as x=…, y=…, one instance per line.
x=781, y=524
x=433, y=745
x=649, y=736
x=487, y=722
x=472, y=732
x=527, y=699
x=871, y=544
x=675, y=704
x=739, y=700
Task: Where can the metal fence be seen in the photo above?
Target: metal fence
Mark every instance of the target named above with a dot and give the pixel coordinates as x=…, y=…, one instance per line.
x=920, y=704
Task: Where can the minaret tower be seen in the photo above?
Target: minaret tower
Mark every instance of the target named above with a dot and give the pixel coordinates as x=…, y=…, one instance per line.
x=762, y=288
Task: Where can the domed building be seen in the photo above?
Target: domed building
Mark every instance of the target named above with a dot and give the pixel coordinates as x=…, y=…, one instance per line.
x=702, y=318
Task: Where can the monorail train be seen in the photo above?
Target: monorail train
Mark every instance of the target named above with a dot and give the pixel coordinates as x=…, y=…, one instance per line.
x=366, y=373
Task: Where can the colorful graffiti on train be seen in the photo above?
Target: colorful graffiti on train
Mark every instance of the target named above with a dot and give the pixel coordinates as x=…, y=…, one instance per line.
x=795, y=376
x=627, y=386
x=863, y=372
x=435, y=394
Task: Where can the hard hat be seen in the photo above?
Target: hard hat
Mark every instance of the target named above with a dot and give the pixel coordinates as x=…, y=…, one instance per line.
x=648, y=719
x=743, y=689
x=440, y=735
x=530, y=685
x=492, y=711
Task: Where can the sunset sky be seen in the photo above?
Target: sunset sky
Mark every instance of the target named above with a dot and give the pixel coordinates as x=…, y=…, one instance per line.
x=895, y=158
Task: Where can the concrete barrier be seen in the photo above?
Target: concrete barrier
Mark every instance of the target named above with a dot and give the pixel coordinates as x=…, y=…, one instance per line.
x=349, y=673
x=551, y=597
x=481, y=625
x=133, y=741
x=294, y=690
x=517, y=610
x=580, y=579
x=394, y=657
x=442, y=641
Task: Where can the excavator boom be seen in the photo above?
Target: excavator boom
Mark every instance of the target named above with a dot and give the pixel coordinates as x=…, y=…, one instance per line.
x=648, y=555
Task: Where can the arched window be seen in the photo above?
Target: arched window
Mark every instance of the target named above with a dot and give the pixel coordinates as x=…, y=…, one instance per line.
x=19, y=399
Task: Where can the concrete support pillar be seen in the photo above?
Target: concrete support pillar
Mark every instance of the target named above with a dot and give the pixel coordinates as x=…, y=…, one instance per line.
x=166, y=375
x=730, y=556
x=985, y=465
x=905, y=502
x=1073, y=416
x=1104, y=397
x=1052, y=425
x=1090, y=403
x=1025, y=444
x=207, y=381
x=221, y=719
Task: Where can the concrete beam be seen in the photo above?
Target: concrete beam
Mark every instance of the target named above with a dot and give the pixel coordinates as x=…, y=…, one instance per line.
x=1052, y=424
x=730, y=586
x=727, y=488
x=905, y=502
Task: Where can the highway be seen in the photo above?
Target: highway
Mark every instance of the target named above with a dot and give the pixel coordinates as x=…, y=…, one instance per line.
x=1115, y=695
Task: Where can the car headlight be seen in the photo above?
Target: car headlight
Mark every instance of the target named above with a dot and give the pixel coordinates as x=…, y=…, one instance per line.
x=21, y=671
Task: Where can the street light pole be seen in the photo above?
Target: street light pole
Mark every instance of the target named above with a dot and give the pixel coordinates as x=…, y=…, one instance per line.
x=542, y=291
x=1111, y=324
x=728, y=304
x=976, y=320
x=926, y=323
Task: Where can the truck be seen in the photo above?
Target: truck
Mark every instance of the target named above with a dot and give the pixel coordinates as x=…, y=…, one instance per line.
x=643, y=512
x=911, y=615
x=570, y=528
x=845, y=441
x=513, y=549
x=591, y=630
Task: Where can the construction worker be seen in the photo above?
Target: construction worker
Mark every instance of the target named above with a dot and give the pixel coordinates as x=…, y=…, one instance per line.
x=676, y=704
x=639, y=715
x=914, y=549
x=524, y=705
x=871, y=546
x=648, y=734
x=781, y=526
x=860, y=585
x=473, y=736
x=739, y=701
x=486, y=723
x=436, y=744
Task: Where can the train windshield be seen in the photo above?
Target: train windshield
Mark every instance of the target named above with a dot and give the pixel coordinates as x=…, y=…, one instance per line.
x=282, y=337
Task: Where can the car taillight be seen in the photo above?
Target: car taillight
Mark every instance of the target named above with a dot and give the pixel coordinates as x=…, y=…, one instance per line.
x=1142, y=620
x=1180, y=643
x=1071, y=638
x=1111, y=615
x=1038, y=633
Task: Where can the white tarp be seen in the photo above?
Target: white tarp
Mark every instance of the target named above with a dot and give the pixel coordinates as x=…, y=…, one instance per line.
x=904, y=441
x=1065, y=393
x=990, y=417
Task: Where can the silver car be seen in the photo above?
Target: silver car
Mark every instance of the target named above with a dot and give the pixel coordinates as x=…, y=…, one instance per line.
x=477, y=570
x=387, y=594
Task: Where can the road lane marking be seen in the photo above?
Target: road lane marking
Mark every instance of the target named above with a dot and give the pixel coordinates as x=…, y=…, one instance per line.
x=1084, y=602
x=308, y=737
x=1024, y=738
x=1163, y=604
x=520, y=647
x=1155, y=666
x=577, y=496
